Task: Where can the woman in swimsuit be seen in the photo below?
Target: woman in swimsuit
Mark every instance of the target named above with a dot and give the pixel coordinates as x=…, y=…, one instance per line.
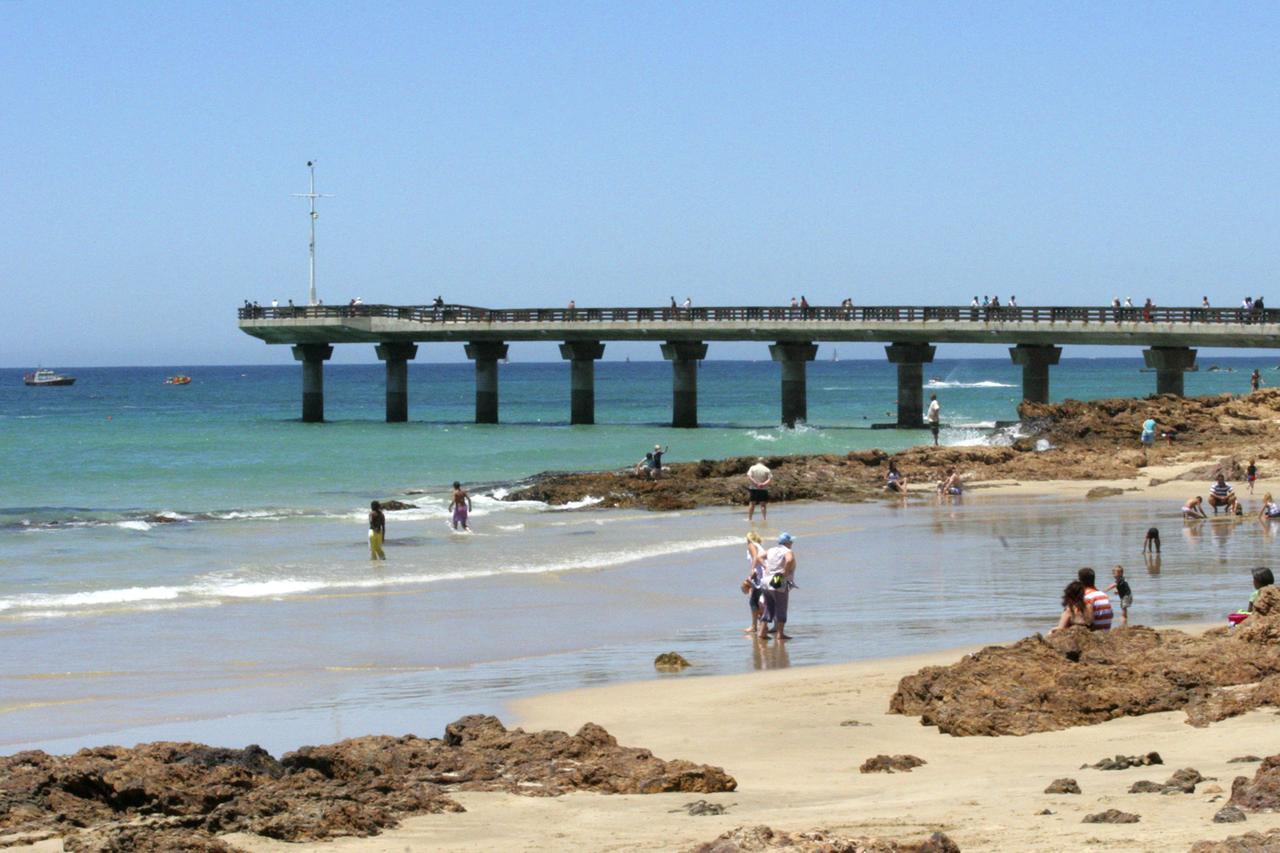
x=1075, y=610
x=752, y=585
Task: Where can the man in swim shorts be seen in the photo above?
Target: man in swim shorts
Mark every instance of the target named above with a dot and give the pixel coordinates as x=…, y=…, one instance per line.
x=461, y=506
x=934, y=417
x=758, y=479
x=1193, y=508
x=377, y=530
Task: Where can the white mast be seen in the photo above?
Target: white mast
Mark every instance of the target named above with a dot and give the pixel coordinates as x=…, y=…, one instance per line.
x=313, y=195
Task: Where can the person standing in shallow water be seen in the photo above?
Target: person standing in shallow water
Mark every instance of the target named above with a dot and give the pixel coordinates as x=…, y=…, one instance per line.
x=460, y=505
x=778, y=579
x=934, y=417
x=377, y=531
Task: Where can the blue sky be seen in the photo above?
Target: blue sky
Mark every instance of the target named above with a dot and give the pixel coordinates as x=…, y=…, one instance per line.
x=516, y=154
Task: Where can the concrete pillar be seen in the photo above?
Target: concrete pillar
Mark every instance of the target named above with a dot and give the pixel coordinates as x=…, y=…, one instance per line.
x=684, y=357
x=313, y=357
x=1169, y=363
x=793, y=356
x=486, y=355
x=397, y=356
x=1035, y=360
x=910, y=359
x=582, y=357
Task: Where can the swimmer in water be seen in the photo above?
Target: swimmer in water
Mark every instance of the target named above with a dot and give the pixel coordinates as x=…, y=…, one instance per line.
x=461, y=506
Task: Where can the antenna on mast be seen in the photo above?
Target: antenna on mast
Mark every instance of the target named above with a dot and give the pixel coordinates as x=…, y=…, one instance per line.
x=313, y=195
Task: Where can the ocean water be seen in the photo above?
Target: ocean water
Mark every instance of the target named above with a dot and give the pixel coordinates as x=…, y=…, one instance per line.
x=190, y=561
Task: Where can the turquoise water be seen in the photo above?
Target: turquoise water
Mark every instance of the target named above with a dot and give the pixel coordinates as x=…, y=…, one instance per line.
x=171, y=556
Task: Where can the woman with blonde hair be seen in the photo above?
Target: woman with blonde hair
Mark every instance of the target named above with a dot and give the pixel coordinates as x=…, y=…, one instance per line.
x=753, y=585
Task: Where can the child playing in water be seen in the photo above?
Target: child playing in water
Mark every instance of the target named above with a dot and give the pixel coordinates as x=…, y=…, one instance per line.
x=1251, y=473
x=1121, y=586
x=1152, y=542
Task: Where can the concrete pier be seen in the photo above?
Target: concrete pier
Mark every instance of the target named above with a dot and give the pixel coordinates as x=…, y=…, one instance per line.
x=486, y=355
x=1169, y=363
x=1036, y=359
x=582, y=356
x=792, y=357
x=910, y=359
x=313, y=357
x=397, y=357
x=684, y=357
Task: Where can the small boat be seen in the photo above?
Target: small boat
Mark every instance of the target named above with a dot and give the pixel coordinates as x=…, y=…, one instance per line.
x=178, y=380
x=47, y=377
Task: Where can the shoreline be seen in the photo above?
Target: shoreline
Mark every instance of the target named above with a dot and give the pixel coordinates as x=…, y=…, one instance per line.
x=794, y=740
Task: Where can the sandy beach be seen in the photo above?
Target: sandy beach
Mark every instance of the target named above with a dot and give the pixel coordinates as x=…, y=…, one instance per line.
x=790, y=740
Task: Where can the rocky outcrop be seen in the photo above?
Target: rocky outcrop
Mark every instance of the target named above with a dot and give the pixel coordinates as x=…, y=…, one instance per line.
x=1250, y=842
x=1063, y=786
x=396, y=506
x=354, y=787
x=1079, y=677
x=1085, y=440
x=1262, y=792
x=891, y=764
x=749, y=839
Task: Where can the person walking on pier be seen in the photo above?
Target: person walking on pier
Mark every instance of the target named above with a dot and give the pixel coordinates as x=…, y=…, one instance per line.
x=934, y=417
x=460, y=505
x=377, y=531
x=758, y=479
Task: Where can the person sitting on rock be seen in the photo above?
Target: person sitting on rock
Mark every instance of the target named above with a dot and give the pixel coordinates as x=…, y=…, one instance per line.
x=1221, y=494
x=1194, y=508
x=950, y=485
x=1075, y=610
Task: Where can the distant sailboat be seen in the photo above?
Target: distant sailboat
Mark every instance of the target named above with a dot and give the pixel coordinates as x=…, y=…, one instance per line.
x=835, y=354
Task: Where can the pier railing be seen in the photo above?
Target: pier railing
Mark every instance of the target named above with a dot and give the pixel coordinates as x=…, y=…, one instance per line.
x=469, y=314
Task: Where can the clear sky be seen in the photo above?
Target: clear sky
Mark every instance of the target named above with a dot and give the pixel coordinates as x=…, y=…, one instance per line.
x=620, y=153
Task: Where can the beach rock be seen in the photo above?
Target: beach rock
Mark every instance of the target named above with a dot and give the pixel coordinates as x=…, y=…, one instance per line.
x=1080, y=677
x=1124, y=762
x=891, y=764
x=1063, y=786
x=144, y=837
x=670, y=662
x=853, y=723
x=395, y=506
x=1250, y=842
x=353, y=787
x=1244, y=759
x=1103, y=492
x=1111, y=816
x=1183, y=781
x=1262, y=792
x=1229, y=814
x=1045, y=812
x=749, y=839
x=698, y=808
